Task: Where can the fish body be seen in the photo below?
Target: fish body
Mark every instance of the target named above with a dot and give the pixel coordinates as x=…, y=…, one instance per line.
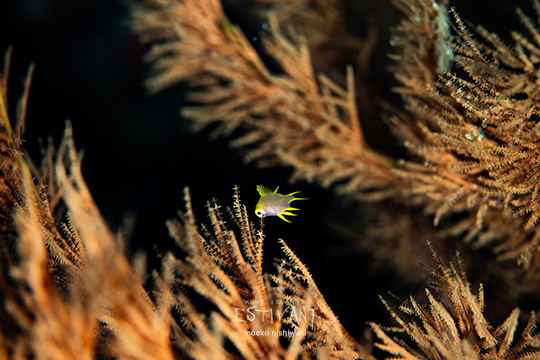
x=273, y=204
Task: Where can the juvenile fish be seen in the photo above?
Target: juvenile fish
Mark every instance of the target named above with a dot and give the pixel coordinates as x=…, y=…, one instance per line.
x=273, y=204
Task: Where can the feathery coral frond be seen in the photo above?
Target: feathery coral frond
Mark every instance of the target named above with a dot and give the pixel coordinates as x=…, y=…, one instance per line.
x=479, y=144
x=452, y=325
x=244, y=307
x=294, y=118
x=469, y=121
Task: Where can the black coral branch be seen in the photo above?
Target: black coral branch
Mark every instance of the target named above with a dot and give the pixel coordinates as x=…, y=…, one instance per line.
x=472, y=137
x=244, y=307
x=452, y=324
x=294, y=118
x=475, y=135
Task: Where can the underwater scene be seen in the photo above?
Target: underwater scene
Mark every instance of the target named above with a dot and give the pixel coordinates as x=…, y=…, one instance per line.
x=269, y=179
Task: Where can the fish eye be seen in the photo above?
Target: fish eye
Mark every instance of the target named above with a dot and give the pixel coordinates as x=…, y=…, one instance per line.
x=258, y=213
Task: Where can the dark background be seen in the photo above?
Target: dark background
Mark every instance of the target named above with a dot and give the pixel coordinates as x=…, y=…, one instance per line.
x=139, y=153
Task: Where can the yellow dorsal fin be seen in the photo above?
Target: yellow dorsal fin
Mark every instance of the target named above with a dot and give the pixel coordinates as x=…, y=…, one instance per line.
x=263, y=190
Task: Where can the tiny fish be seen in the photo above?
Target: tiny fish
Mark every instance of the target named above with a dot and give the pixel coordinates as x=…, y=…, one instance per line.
x=273, y=204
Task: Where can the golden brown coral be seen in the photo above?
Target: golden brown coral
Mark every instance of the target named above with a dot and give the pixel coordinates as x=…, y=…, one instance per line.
x=471, y=136
x=452, y=324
